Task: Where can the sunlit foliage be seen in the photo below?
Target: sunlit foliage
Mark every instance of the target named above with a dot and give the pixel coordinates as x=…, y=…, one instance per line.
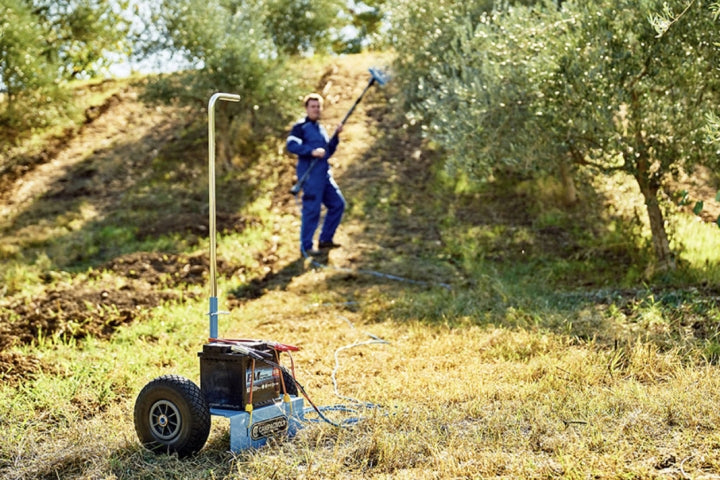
x=44, y=44
x=606, y=85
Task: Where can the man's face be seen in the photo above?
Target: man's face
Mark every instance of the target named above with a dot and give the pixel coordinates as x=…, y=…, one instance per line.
x=313, y=110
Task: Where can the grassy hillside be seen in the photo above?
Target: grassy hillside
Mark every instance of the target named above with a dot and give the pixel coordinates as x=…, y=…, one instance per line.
x=496, y=332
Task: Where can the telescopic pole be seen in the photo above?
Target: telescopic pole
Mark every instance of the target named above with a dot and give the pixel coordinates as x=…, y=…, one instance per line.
x=228, y=97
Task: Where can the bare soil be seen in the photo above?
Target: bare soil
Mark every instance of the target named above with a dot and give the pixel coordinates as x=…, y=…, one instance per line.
x=82, y=164
x=123, y=131
x=76, y=310
x=97, y=162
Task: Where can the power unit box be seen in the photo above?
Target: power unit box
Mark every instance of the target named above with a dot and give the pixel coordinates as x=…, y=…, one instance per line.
x=227, y=377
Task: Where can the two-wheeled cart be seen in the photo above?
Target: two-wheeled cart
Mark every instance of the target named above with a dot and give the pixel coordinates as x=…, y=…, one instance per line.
x=240, y=379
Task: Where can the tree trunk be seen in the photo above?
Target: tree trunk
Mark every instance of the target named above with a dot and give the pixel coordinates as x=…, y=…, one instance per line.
x=649, y=182
x=569, y=190
x=661, y=244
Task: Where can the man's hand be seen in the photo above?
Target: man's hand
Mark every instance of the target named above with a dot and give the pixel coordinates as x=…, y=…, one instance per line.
x=318, y=152
x=339, y=128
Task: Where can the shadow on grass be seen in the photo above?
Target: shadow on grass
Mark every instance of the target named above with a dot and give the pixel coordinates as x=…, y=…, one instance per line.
x=145, y=195
x=512, y=254
x=257, y=287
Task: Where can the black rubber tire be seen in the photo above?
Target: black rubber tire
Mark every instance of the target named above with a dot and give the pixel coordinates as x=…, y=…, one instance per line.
x=172, y=416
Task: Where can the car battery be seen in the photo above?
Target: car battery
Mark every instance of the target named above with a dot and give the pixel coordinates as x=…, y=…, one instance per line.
x=227, y=377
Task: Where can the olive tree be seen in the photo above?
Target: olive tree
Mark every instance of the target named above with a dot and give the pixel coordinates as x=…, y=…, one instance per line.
x=44, y=44
x=22, y=67
x=300, y=26
x=606, y=85
x=229, y=49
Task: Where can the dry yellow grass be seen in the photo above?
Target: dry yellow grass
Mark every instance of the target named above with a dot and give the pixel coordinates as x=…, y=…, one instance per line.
x=467, y=401
x=460, y=396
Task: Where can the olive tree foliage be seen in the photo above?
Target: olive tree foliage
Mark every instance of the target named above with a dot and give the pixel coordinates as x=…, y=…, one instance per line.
x=368, y=22
x=604, y=85
x=224, y=41
x=229, y=49
x=44, y=44
x=79, y=34
x=300, y=26
x=421, y=33
x=713, y=128
x=23, y=71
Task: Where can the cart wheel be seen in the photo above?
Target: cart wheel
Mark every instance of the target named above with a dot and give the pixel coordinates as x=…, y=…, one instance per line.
x=172, y=416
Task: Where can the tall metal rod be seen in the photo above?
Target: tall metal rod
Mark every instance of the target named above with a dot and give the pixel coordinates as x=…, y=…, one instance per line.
x=229, y=97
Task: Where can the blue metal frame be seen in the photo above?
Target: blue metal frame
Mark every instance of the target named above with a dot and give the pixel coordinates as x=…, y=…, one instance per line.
x=244, y=431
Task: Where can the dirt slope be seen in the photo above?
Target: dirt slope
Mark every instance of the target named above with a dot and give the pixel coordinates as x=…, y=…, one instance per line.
x=90, y=172
x=113, y=151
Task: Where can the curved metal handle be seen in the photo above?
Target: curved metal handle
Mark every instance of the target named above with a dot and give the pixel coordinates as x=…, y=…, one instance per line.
x=229, y=97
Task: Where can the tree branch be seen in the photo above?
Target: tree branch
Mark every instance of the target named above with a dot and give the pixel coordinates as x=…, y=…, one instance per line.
x=651, y=53
x=667, y=26
x=579, y=159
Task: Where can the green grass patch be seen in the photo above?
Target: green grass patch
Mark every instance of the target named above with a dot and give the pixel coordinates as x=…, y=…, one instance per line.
x=522, y=338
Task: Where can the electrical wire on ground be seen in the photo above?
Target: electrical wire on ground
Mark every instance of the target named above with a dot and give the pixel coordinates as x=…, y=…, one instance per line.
x=374, y=273
x=374, y=340
x=354, y=405
x=337, y=366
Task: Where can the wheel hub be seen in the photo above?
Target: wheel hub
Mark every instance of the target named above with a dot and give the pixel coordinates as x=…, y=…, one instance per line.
x=165, y=420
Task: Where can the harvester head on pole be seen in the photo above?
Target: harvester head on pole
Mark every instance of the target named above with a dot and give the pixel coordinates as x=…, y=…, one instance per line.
x=379, y=77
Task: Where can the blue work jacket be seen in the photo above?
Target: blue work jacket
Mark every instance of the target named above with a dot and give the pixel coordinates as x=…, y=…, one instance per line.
x=305, y=137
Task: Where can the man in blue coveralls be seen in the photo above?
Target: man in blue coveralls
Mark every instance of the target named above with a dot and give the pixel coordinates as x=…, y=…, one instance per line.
x=309, y=140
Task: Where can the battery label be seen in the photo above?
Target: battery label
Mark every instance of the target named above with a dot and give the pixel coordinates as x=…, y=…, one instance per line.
x=264, y=378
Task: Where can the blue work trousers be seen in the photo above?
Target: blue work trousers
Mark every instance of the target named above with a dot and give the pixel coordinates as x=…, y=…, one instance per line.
x=314, y=196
